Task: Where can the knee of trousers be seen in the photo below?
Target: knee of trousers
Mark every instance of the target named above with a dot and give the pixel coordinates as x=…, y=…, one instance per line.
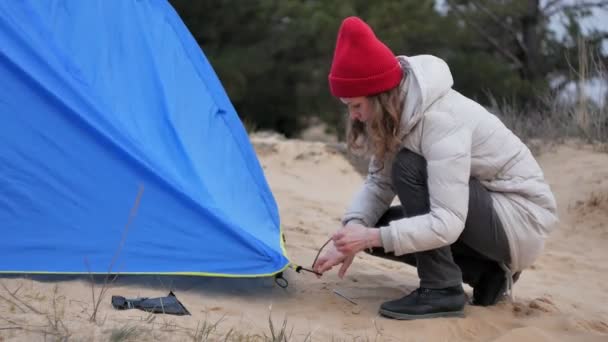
x=408, y=169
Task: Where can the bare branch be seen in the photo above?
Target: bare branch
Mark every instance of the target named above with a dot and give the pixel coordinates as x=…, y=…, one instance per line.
x=11, y=328
x=13, y=303
x=562, y=84
x=17, y=290
x=579, y=6
x=132, y=215
x=550, y=4
x=501, y=23
x=505, y=52
x=55, y=326
x=597, y=38
x=19, y=300
x=107, y=280
x=40, y=329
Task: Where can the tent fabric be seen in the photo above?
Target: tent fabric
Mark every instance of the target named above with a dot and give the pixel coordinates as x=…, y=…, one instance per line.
x=98, y=98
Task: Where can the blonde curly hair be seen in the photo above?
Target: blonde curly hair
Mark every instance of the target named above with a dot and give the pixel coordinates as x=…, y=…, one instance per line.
x=378, y=136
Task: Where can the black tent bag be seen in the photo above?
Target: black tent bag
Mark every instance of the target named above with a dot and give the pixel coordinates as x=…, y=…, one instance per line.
x=167, y=305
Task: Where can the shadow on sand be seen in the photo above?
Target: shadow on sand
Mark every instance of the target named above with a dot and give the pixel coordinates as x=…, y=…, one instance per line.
x=259, y=287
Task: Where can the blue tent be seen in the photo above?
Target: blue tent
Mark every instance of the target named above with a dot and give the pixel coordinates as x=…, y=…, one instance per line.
x=102, y=98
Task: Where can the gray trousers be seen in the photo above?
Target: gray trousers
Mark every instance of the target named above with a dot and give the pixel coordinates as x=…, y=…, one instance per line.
x=481, y=246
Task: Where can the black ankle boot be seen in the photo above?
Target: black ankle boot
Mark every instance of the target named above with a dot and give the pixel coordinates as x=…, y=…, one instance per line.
x=427, y=303
x=492, y=286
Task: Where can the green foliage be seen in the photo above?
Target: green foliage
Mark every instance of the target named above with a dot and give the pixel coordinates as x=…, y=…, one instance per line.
x=273, y=56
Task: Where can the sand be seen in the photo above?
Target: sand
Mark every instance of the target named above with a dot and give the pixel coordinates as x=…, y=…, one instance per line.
x=562, y=298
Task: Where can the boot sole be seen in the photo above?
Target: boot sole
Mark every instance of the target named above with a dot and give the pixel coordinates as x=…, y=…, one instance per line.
x=402, y=316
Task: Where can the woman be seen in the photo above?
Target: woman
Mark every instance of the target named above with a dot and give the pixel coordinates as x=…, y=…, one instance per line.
x=475, y=207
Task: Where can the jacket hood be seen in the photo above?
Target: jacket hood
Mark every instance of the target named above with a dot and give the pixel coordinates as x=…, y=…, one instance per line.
x=428, y=78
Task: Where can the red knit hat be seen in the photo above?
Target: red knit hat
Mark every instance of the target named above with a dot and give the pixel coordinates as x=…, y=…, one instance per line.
x=362, y=64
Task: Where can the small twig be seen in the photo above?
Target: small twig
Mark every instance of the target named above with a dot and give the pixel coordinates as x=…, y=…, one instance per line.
x=378, y=332
x=11, y=328
x=55, y=322
x=151, y=317
x=164, y=286
x=8, y=320
x=107, y=281
x=19, y=300
x=55, y=316
x=78, y=301
x=132, y=215
x=17, y=290
x=13, y=303
x=228, y=334
x=88, y=266
x=343, y=296
x=163, y=325
x=23, y=326
x=319, y=252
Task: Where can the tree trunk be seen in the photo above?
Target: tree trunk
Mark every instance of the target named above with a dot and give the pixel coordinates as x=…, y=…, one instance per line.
x=530, y=23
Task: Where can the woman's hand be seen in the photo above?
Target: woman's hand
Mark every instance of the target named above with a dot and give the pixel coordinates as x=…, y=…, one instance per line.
x=331, y=258
x=353, y=238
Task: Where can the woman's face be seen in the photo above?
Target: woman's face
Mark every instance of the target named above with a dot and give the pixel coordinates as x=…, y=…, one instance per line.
x=359, y=108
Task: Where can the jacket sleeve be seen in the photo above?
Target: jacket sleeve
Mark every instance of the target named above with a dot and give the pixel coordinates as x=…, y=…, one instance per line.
x=374, y=197
x=446, y=146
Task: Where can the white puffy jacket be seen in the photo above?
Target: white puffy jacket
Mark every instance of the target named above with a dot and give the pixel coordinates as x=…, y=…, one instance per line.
x=459, y=139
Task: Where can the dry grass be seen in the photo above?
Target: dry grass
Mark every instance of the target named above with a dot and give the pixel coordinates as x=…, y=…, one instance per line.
x=205, y=331
x=109, y=278
x=596, y=200
x=592, y=208
x=126, y=333
x=29, y=320
x=53, y=326
x=559, y=118
x=25, y=317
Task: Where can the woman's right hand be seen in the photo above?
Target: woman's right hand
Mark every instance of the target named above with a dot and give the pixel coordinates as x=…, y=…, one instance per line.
x=331, y=258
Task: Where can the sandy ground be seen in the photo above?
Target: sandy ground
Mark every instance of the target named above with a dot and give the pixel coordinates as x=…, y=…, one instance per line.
x=563, y=297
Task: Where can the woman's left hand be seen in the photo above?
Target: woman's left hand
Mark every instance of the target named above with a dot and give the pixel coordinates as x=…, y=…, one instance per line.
x=353, y=238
